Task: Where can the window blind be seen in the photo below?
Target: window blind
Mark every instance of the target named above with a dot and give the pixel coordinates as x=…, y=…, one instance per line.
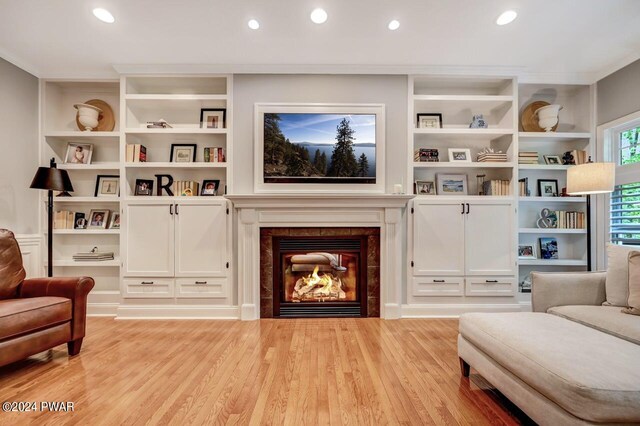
x=625, y=214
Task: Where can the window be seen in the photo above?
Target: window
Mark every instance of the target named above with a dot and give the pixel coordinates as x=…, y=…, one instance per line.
x=624, y=227
x=629, y=144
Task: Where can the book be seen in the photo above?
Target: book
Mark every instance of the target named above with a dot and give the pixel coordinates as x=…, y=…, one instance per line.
x=136, y=153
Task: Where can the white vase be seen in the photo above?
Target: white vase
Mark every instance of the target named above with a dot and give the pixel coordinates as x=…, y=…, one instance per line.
x=548, y=116
x=88, y=116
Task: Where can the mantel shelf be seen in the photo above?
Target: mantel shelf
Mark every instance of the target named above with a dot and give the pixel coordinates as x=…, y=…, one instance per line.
x=320, y=200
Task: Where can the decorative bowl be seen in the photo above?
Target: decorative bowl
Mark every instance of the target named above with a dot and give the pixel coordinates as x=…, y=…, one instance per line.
x=88, y=116
x=548, y=116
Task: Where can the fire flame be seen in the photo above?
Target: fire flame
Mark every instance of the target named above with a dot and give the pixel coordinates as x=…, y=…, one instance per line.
x=318, y=287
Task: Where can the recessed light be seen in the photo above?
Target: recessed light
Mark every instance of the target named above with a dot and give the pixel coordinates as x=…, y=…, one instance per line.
x=104, y=15
x=253, y=24
x=506, y=18
x=394, y=25
x=319, y=16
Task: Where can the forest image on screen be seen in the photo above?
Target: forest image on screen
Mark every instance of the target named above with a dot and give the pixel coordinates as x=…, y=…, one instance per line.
x=319, y=148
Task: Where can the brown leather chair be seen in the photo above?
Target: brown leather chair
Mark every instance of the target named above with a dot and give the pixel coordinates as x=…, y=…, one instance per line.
x=37, y=314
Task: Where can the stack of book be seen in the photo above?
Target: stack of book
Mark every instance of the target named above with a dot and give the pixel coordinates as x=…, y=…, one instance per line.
x=65, y=219
x=495, y=187
x=523, y=187
x=426, y=155
x=160, y=124
x=570, y=220
x=93, y=256
x=214, y=155
x=492, y=157
x=528, y=157
x=185, y=188
x=136, y=153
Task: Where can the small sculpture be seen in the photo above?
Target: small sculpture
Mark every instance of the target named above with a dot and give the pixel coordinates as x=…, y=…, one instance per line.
x=478, y=122
x=88, y=116
x=567, y=159
x=547, y=219
x=548, y=116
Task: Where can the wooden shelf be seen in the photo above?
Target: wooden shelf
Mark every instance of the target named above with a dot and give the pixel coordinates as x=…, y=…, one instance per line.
x=552, y=136
x=90, y=167
x=553, y=199
x=175, y=97
x=87, y=264
x=86, y=200
x=464, y=98
x=544, y=167
x=86, y=231
x=196, y=165
x=462, y=131
x=465, y=197
x=80, y=135
x=177, y=131
x=552, y=262
x=551, y=231
x=472, y=165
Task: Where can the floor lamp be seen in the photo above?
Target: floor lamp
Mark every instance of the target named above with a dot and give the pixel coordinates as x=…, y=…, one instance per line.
x=51, y=179
x=590, y=179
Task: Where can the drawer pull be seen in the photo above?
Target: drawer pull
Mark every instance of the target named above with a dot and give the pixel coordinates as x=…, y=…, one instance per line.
x=146, y=282
x=438, y=281
x=201, y=282
x=491, y=281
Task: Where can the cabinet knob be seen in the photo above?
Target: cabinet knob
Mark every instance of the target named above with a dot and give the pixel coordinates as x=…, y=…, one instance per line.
x=146, y=282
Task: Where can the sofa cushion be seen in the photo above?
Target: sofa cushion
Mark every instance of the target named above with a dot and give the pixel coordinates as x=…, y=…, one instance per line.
x=592, y=375
x=11, y=271
x=608, y=319
x=21, y=316
x=634, y=284
x=617, y=283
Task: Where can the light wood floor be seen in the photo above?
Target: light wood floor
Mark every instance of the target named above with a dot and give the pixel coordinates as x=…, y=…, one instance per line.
x=296, y=372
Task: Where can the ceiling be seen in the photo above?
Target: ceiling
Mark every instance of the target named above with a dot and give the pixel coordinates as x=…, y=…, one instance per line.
x=584, y=39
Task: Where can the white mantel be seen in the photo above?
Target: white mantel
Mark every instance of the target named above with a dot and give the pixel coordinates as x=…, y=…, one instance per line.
x=319, y=210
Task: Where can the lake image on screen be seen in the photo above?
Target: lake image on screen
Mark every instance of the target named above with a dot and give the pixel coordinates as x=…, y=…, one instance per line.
x=319, y=148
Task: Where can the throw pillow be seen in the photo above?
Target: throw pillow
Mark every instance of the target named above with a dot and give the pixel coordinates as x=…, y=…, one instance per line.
x=634, y=284
x=11, y=271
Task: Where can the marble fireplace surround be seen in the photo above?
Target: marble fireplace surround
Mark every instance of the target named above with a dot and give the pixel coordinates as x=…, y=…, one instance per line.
x=257, y=211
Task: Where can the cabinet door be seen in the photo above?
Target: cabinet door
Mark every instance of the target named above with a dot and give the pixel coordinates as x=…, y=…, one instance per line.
x=149, y=240
x=489, y=239
x=438, y=238
x=201, y=239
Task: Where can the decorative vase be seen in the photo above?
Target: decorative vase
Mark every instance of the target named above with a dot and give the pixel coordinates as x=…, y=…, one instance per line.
x=88, y=116
x=548, y=116
x=478, y=122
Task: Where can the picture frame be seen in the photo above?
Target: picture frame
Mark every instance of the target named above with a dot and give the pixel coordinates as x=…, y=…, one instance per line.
x=548, y=187
x=98, y=219
x=79, y=221
x=183, y=153
x=207, y=190
x=78, y=153
x=429, y=120
x=527, y=251
x=552, y=159
x=548, y=248
x=213, y=118
x=144, y=187
x=459, y=155
x=114, y=221
x=107, y=186
x=449, y=184
x=425, y=187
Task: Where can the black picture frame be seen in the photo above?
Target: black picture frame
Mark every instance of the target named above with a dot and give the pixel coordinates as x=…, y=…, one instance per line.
x=205, y=182
x=224, y=117
x=148, y=192
x=193, y=146
x=543, y=181
x=430, y=114
x=99, y=178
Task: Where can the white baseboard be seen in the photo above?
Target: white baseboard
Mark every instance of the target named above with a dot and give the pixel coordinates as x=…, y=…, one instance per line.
x=164, y=312
x=455, y=310
x=103, y=303
x=392, y=311
x=249, y=312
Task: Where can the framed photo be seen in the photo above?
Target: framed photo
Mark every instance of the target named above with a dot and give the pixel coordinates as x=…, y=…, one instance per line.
x=459, y=155
x=107, y=186
x=114, y=222
x=451, y=184
x=552, y=159
x=425, y=187
x=548, y=187
x=213, y=118
x=429, y=121
x=78, y=153
x=98, y=219
x=79, y=221
x=183, y=153
x=526, y=251
x=210, y=187
x=548, y=248
x=144, y=187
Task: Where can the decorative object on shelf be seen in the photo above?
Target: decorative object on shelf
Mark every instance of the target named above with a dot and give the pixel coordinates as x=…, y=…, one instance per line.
x=587, y=179
x=185, y=188
x=461, y=155
x=575, y=157
x=210, y=187
x=87, y=116
x=548, y=187
x=425, y=187
x=183, y=153
x=480, y=184
x=398, y=188
x=496, y=187
x=529, y=121
x=451, y=184
x=528, y=157
x=478, y=122
x=98, y=219
x=547, y=219
x=106, y=121
x=78, y=153
x=548, y=117
x=525, y=285
x=552, y=159
x=214, y=155
x=93, y=256
x=428, y=155
x=80, y=221
x=136, y=153
x=213, y=118
x=568, y=159
x=144, y=187
x=160, y=124
x=526, y=251
x=488, y=155
x=167, y=187
x=107, y=186
x=548, y=248
x=51, y=179
x=114, y=222
x=429, y=120
x=524, y=187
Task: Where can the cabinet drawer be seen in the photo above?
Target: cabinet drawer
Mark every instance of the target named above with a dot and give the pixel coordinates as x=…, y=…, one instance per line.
x=438, y=286
x=148, y=288
x=201, y=287
x=490, y=286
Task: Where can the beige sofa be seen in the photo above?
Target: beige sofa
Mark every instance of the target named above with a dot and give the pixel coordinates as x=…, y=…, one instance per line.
x=571, y=361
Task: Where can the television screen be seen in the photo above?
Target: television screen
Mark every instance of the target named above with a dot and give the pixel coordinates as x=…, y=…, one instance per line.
x=319, y=148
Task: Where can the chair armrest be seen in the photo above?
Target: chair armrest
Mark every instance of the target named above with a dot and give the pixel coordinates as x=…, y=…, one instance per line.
x=566, y=288
x=75, y=289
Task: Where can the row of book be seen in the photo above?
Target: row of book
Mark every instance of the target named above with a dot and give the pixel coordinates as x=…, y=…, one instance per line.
x=64, y=219
x=579, y=156
x=492, y=157
x=136, y=153
x=523, y=187
x=570, y=220
x=93, y=256
x=528, y=157
x=214, y=155
x=496, y=187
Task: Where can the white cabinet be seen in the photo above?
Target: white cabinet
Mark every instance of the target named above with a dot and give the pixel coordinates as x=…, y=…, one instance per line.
x=489, y=239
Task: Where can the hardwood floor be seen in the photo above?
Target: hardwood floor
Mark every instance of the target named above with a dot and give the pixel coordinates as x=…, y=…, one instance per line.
x=292, y=372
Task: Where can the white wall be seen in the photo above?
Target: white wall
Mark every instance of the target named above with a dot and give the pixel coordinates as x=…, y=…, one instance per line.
x=388, y=90
x=619, y=93
x=18, y=149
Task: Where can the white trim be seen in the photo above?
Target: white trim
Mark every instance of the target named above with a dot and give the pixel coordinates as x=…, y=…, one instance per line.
x=103, y=303
x=454, y=310
x=165, y=312
x=31, y=246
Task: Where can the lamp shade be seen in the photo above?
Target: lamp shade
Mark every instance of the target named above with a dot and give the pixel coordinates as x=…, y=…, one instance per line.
x=591, y=178
x=51, y=178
